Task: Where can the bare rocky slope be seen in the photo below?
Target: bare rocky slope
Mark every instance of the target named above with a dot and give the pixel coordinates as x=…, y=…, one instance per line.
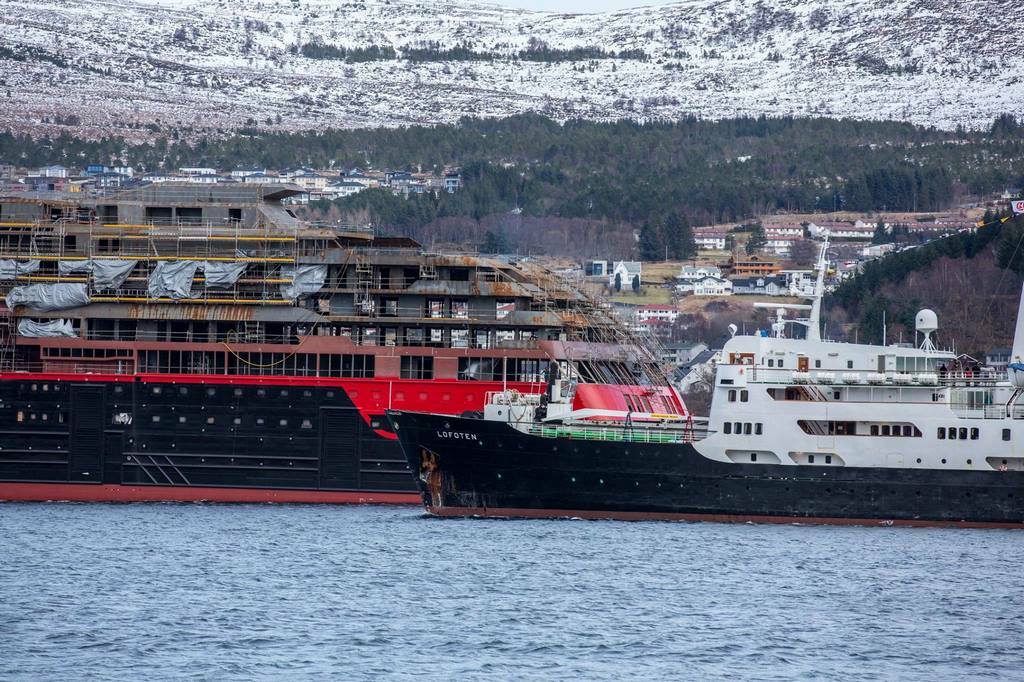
x=106, y=67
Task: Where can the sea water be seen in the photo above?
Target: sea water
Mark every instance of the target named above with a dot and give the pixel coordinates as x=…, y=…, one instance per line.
x=193, y=591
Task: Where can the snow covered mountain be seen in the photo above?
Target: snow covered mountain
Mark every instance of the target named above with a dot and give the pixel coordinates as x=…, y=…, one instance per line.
x=112, y=66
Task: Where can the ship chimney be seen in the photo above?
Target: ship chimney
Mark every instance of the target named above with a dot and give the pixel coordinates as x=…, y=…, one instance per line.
x=1016, y=368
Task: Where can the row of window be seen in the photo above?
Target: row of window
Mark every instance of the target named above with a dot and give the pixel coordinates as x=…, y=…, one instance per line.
x=904, y=430
x=963, y=433
x=744, y=395
x=743, y=428
x=237, y=421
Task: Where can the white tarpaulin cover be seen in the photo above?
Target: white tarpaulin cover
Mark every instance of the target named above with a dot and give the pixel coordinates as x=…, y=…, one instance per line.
x=111, y=274
x=221, y=274
x=172, y=278
x=306, y=279
x=9, y=269
x=70, y=267
x=106, y=273
x=35, y=329
x=47, y=297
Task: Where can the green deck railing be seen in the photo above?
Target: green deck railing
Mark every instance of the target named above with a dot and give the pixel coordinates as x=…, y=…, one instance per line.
x=628, y=435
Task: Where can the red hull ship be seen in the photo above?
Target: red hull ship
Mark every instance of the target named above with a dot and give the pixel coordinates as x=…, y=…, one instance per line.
x=198, y=343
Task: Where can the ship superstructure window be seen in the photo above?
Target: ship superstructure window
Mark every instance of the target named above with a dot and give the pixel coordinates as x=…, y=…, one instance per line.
x=817, y=364
x=1006, y=434
x=727, y=428
x=460, y=310
x=435, y=308
x=389, y=307
x=417, y=367
x=460, y=338
x=347, y=366
x=732, y=395
x=912, y=364
x=844, y=428
x=744, y=396
x=941, y=433
x=503, y=309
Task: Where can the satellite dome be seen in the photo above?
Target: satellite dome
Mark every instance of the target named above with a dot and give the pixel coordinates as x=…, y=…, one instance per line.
x=926, y=321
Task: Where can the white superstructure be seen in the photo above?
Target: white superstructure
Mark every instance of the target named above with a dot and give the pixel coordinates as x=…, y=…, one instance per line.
x=809, y=401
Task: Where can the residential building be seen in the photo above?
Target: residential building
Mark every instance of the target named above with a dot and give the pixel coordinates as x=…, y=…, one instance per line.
x=242, y=172
x=196, y=171
x=596, y=268
x=51, y=172
x=998, y=359
x=681, y=353
x=760, y=286
x=664, y=313
x=710, y=238
x=840, y=230
x=751, y=266
x=452, y=182
x=712, y=286
x=6, y=171
x=689, y=273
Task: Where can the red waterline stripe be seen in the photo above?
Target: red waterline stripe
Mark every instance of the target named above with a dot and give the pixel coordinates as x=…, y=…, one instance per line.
x=501, y=512
x=90, y=492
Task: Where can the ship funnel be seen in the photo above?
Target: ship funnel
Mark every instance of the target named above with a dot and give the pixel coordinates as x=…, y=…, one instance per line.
x=1016, y=367
x=926, y=322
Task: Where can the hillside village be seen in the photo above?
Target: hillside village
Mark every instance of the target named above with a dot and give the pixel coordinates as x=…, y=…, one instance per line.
x=316, y=185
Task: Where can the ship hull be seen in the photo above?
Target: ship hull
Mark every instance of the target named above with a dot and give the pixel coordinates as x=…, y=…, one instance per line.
x=207, y=438
x=472, y=467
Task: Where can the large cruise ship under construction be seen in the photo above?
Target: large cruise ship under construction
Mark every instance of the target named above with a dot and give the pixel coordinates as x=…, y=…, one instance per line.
x=199, y=342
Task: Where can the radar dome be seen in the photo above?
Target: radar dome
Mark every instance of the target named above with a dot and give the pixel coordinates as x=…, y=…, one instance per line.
x=926, y=321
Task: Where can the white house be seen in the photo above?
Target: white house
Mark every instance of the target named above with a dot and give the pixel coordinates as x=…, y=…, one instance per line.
x=712, y=239
x=196, y=171
x=623, y=275
x=242, y=172
x=337, y=190
x=712, y=286
x=662, y=313
x=780, y=245
x=52, y=172
x=689, y=273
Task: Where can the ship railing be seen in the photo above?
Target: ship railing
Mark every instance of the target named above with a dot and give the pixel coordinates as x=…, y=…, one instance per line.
x=632, y=434
x=978, y=411
x=838, y=377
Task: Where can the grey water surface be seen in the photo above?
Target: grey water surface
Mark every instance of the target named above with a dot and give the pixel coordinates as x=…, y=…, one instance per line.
x=233, y=592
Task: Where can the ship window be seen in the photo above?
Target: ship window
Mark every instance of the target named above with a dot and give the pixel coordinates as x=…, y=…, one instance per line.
x=156, y=417
x=157, y=390
x=747, y=428
x=259, y=421
x=908, y=430
x=771, y=363
x=727, y=427
x=828, y=459
x=181, y=419
x=1006, y=434
x=744, y=396
x=817, y=364
x=874, y=429
x=732, y=395
x=968, y=461
x=963, y=433
x=753, y=456
x=810, y=459
x=780, y=362
x=974, y=434
x=237, y=420
x=306, y=424
x=849, y=364
x=283, y=422
x=211, y=420
x=885, y=430
x=183, y=390
x=261, y=392
x=238, y=391
x=211, y=391
x=284, y=392
x=417, y=367
x=758, y=429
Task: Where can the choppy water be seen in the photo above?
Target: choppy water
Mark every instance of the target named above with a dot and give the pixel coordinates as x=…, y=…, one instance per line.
x=292, y=592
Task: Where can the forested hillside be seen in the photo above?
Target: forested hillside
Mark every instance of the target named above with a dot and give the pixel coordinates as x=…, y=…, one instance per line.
x=523, y=174
x=972, y=280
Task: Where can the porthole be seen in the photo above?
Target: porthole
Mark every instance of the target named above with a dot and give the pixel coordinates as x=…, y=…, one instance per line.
x=968, y=462
x=211, y=391
x=238, y=392
x=943, y=460
x=918, y=460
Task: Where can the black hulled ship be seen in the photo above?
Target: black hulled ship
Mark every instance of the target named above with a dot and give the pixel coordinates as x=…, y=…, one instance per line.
x=800, y=430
